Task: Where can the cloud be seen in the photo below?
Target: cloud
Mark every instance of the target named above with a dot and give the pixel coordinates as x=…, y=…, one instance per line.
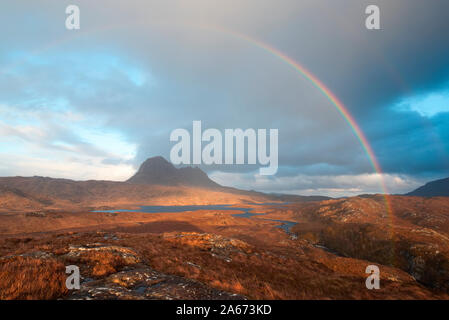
x=427, y=105
x=30, y=138
x=63, y=167
x=111, y=93
x=328, y=185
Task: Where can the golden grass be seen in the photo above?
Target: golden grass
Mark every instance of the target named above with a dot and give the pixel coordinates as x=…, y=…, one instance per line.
x=31, y=279
x=255, y=272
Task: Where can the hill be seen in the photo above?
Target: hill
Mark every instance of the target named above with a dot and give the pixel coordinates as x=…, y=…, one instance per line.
x=437, y=188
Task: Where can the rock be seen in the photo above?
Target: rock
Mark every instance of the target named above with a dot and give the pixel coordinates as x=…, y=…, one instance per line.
x=36, y=214
x=128, y=255
x=142, y=282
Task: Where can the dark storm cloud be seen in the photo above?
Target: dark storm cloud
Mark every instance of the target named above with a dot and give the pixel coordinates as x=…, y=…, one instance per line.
x=146, y=79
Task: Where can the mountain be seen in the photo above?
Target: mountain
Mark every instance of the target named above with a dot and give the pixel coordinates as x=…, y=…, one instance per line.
x=158, y=171
x=157, y=181
x=437, y=188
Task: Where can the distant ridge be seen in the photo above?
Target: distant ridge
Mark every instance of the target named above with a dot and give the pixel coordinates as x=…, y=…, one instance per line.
x=437, y=188
x=155, y=178
x=158, y=171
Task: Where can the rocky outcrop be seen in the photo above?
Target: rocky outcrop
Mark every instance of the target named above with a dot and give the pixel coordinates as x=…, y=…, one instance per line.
x=140, y=282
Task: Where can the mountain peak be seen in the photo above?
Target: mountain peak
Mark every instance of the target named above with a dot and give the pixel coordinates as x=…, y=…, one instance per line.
x=156, y=163
x=159, y=171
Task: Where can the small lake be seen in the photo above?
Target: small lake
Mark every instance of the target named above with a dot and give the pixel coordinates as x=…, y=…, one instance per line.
x=247, y=212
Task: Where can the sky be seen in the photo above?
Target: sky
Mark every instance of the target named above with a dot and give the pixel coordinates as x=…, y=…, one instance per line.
x=94, y=103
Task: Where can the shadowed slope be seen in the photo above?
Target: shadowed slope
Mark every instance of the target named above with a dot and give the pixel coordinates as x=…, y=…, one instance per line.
x=158, y=171
x=437, y=188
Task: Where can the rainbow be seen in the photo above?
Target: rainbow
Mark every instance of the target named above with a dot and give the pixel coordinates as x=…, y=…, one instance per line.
x=342, y=110
x=339, y=106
